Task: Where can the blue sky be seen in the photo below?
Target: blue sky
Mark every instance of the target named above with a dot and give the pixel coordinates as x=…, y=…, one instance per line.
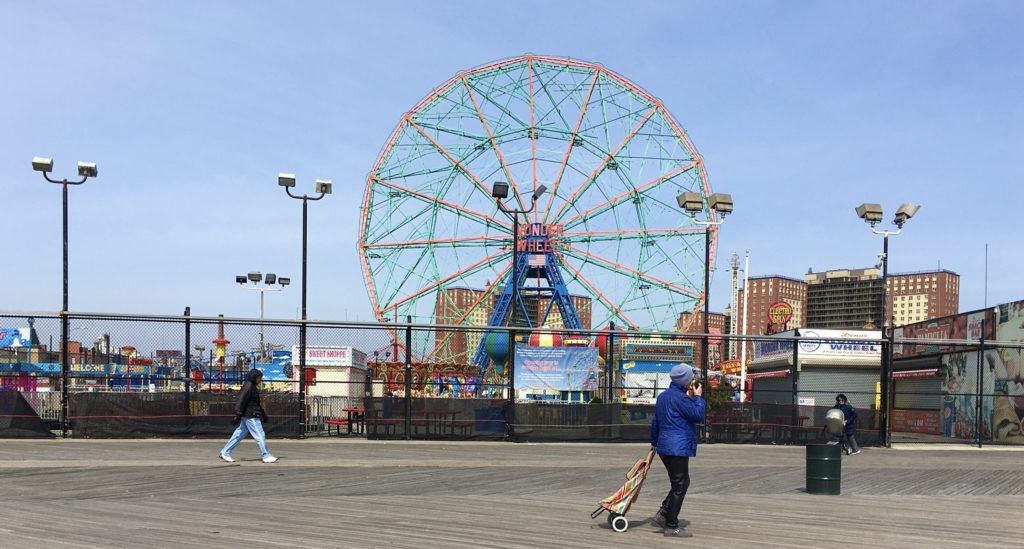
x=801, y=110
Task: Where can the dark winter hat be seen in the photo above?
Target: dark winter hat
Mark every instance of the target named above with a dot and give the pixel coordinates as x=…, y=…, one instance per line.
x=681, y=375
x=254, y=375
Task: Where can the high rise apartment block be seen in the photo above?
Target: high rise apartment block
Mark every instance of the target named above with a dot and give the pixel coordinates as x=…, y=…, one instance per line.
x=851, y=298
x=914, y=297
x=765, y=291
x=844, y=298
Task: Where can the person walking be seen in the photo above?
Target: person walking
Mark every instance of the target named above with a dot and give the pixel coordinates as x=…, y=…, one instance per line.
x=677, y=412
x=849, y=439
x=249, y=417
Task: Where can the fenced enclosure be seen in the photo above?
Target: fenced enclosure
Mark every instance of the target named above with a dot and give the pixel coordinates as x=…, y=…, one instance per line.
x=164, y=376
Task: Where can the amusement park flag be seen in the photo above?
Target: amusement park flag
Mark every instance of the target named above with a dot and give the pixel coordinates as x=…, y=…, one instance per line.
x=556, y=368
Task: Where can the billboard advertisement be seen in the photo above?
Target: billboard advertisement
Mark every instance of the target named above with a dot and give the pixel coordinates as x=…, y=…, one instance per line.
x=840, y=343
x=14, y=337
x=556, y=368
x=966, y=326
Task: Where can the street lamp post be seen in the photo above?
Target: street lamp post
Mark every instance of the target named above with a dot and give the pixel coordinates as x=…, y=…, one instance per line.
x=872, y=214
x=500, y=192
x=323, y=188
x=693, y=203
x=262, y=285
x=85, y=171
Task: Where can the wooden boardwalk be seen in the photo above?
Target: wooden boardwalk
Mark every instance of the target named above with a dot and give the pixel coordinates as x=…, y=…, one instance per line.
x=357, y=493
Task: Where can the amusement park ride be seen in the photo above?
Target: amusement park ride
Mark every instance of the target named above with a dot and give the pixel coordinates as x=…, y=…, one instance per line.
x=590, y=160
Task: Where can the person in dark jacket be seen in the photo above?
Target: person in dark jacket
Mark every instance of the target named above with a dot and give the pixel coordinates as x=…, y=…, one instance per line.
x=249, y=417
x=677, y=413
x=850, y=420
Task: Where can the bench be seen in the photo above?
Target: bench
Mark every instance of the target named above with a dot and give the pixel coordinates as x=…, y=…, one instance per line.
x=338, y=423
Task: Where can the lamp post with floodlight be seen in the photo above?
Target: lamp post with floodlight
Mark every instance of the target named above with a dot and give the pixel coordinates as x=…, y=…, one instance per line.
x=85, y=171
x=323, y=188
x=872, y=214
x=693, y=203
x=500, y=192
x=262, y=285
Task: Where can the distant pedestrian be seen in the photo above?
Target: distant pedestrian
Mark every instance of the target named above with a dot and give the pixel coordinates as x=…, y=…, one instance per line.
x=849, y=438
x=677, y=412
x=249, y=417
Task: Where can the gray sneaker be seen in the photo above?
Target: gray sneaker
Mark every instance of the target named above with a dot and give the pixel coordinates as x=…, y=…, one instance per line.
x=677, y=533
x=659, y=520
x=227, y=458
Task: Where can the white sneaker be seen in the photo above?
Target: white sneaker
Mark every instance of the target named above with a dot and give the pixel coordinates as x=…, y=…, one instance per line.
x=269, y=459
x=833, y=442
x=227, y=458
x=855, y=453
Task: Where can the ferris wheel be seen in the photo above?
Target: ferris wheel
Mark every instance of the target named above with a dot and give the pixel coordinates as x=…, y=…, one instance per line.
x=436, y=247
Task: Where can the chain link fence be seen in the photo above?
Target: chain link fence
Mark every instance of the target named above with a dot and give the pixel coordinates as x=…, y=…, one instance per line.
x=168, y=376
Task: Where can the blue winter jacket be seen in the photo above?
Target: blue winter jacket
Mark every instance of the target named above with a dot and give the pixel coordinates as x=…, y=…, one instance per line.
x=850, y=415
x=674, y=427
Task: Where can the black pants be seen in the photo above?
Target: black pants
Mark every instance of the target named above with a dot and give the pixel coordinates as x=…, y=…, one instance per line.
x=679, y=476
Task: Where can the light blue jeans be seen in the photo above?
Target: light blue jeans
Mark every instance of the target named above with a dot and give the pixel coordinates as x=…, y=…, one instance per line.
x=252, y=426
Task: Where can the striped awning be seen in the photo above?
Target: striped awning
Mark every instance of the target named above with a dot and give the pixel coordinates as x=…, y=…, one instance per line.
x=764, y=375
x=928, y=372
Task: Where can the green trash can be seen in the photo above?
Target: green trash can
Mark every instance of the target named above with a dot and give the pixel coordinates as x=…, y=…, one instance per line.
x=824, y=468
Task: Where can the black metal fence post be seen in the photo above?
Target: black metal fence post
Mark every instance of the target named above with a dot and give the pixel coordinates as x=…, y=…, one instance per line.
x=610, y=366
x=187, y=370
x=511, y=369
x=796, y=381
x=883, y=395
x=368, y=386
x=408, y=378
x=981, y=384
x=65, y=365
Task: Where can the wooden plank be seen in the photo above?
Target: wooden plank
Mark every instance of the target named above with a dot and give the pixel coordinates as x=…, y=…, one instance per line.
x=357, y=493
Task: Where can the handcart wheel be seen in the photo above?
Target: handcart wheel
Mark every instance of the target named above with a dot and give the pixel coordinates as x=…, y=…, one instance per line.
x=619, y=523
x=611, y=517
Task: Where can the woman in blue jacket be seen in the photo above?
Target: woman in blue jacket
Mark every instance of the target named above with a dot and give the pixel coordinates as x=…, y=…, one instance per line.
x=850, y=420
x=677, y=413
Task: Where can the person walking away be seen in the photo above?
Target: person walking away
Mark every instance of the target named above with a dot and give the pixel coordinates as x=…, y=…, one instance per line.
x=850, y=421
x=677, y=412
x=249, y=418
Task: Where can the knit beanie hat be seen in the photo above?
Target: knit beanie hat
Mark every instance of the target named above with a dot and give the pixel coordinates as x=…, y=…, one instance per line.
x=681, y=375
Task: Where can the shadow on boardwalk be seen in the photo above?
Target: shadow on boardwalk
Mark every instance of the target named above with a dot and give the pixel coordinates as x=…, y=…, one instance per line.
x=354, y=493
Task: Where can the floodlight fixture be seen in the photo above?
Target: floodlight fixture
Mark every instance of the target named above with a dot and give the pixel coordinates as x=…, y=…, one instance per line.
x=286, y=179
x=905, y=212
x=87, y=169
x=539, y=192
x=284, y=281
x=255, y=277
x=270, y=278
x=240, y=279
x=691, y=202
x=499, y=190
x=721, y=203
x=42, y=164
x=870, y=212
x=323, y=186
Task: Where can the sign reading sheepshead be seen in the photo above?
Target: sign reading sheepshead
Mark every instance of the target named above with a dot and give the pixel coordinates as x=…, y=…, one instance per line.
x=556, y=368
